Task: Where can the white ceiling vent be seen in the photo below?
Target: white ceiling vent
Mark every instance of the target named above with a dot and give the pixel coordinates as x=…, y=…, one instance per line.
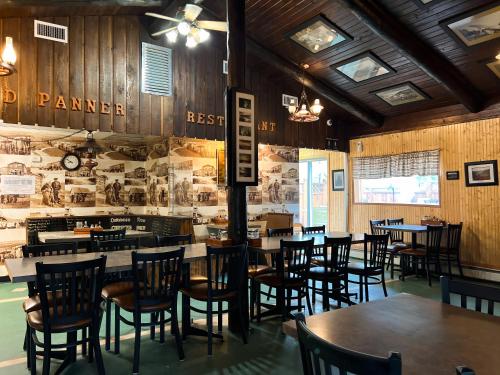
x=51, y=31
x=156, y=70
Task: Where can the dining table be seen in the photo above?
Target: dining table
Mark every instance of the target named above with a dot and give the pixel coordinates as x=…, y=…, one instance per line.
x=432, y=337
x=414, y=229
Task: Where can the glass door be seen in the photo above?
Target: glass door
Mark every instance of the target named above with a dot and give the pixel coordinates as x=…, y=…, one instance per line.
x=313, y=185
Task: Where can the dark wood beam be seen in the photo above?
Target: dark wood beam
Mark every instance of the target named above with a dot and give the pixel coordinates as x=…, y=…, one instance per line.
x=393, y=31
x=367, y=116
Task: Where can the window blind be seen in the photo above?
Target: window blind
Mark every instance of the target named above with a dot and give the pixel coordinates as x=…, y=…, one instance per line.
x=422, y=163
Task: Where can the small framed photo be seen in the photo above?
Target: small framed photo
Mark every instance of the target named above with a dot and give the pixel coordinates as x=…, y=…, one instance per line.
x=287, y=100
x=364, y=67
x=221, y=167
x=338, y=182
x=452, y=175
x=474, y=27
x=481, y=173
x=400, y=94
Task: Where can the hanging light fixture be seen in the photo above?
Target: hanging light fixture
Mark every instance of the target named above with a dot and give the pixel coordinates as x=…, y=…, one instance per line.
x=302, y=111
x=8, y=58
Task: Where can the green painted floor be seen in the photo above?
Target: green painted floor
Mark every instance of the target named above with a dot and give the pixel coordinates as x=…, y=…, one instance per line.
x=268, y=350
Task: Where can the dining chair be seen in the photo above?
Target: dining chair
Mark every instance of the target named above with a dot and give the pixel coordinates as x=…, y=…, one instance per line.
x=451, y=253
x=104, y=235
x=32, y=303
x=225, y=271
x=478, y=293
x=313, y=230
x=292, y=272
x=115, y=284
x=156, y=282
x=332, y=269
x=375, y=226
x=322, y=357
x=372, y=270
x=396, y=244
x=428, y=256
x=76, y=308
x=174, y=240
x=317, y=252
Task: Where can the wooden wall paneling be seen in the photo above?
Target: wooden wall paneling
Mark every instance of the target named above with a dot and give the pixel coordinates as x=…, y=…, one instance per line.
x=45, y=66
x=179, y=91
x=145, y=114
x=11, y=27
x=477, y=207
x=219, y=91
x=212, y=76
x=76, y=68
x=61, y=79
x=133, y=75
x=168, y=115
x=156, y=116
x=91, y=58
x=106, y=71
x=27, y=53
x=120, y=71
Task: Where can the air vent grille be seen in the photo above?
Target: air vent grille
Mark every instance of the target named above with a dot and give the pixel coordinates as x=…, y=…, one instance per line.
x=51, y=31
x=156, y=70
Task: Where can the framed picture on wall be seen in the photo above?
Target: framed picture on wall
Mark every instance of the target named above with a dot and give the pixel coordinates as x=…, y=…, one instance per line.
x=221, y=167
x=338, y=182
x=242, y=142
x=481, y=173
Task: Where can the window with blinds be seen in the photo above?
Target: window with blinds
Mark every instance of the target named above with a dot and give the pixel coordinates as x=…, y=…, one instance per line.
x=156, y=70
x=409, y=178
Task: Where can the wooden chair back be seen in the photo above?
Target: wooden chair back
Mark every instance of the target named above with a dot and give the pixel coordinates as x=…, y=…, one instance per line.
x=375, y=226
x=313, y=230
x=321, y=357
x=177, y=240
x=278, y=232
x=43, y=250
x=336, y=254
x=78, y=286
x=294, y=260
x=160, y=283
x=453, y=238
x=225, y=269
x=396, y=235
x=105, y=235
x=116, y=245
x=478, y=293
x=375, y=249
x=433, y=241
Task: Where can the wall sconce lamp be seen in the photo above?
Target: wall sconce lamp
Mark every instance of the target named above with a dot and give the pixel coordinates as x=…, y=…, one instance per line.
x=8, y=58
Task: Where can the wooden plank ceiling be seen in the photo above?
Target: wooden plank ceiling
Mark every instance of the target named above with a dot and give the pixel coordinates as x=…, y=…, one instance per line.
x=270, y=22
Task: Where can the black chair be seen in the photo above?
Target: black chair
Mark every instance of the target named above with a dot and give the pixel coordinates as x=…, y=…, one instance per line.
x=225, y=270
x=429, y=256
x=375, y=226
x=320, y=357
x=477, y=292
x=105, y=235
x=452, y=251
x=175, y=240
x=371, y=271
x=462, y=370
x=313, y=230
x=292, y=272
x=116, y=283
x=77, y=307
x=156, y=279
x=33, y=302
x=396, y=245
x=333, y=270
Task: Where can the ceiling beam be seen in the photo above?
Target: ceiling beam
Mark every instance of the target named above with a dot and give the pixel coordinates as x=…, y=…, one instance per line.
x=366, y=115
x=393, y=31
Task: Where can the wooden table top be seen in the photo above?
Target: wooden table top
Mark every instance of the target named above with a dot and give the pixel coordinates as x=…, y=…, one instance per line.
x=272, y=244
x=432, y=337
x=70, y=236
x=23, y=269
x=405, y=227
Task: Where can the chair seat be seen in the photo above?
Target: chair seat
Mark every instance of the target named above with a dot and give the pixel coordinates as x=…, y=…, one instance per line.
x=127, y=303
x=118, y=288
x=413, y=252
x=397, y=247
x=200, y=292
x=34, y=303
x=320, y=273
x=258, y=269
x=274, y=280
x=35, y=321
x=359, y=269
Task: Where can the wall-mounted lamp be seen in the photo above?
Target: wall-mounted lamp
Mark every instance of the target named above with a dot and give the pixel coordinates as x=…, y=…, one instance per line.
x=8, y=58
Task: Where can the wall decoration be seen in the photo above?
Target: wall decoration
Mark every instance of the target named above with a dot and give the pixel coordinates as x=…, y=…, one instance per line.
x=338, y=182
x=494, y=66
x=474, y=27
x=318, y=34
x=452, y=175
x=481, y=173
x=221, y=166
x=363, y=68
x=401, y=94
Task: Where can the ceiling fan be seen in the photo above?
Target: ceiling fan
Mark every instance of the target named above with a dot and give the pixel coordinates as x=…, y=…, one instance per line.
x=189, y=26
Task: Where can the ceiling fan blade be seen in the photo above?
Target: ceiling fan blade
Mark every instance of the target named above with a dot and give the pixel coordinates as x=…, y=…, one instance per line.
x=164, y=31
x=191, y=12
x=213, y=25
x=161, y=16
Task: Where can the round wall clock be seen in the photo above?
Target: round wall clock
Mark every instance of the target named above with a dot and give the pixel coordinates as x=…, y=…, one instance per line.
x=71, y=162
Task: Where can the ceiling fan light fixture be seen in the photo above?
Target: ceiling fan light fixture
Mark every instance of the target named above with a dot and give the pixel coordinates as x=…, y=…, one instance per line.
x=184, y=28
x=172, y=36
x=203, y=35
x=191, y=42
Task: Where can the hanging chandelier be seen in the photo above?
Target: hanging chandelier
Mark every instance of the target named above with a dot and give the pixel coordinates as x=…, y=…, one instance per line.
x=303, y=112
x=8, y=58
